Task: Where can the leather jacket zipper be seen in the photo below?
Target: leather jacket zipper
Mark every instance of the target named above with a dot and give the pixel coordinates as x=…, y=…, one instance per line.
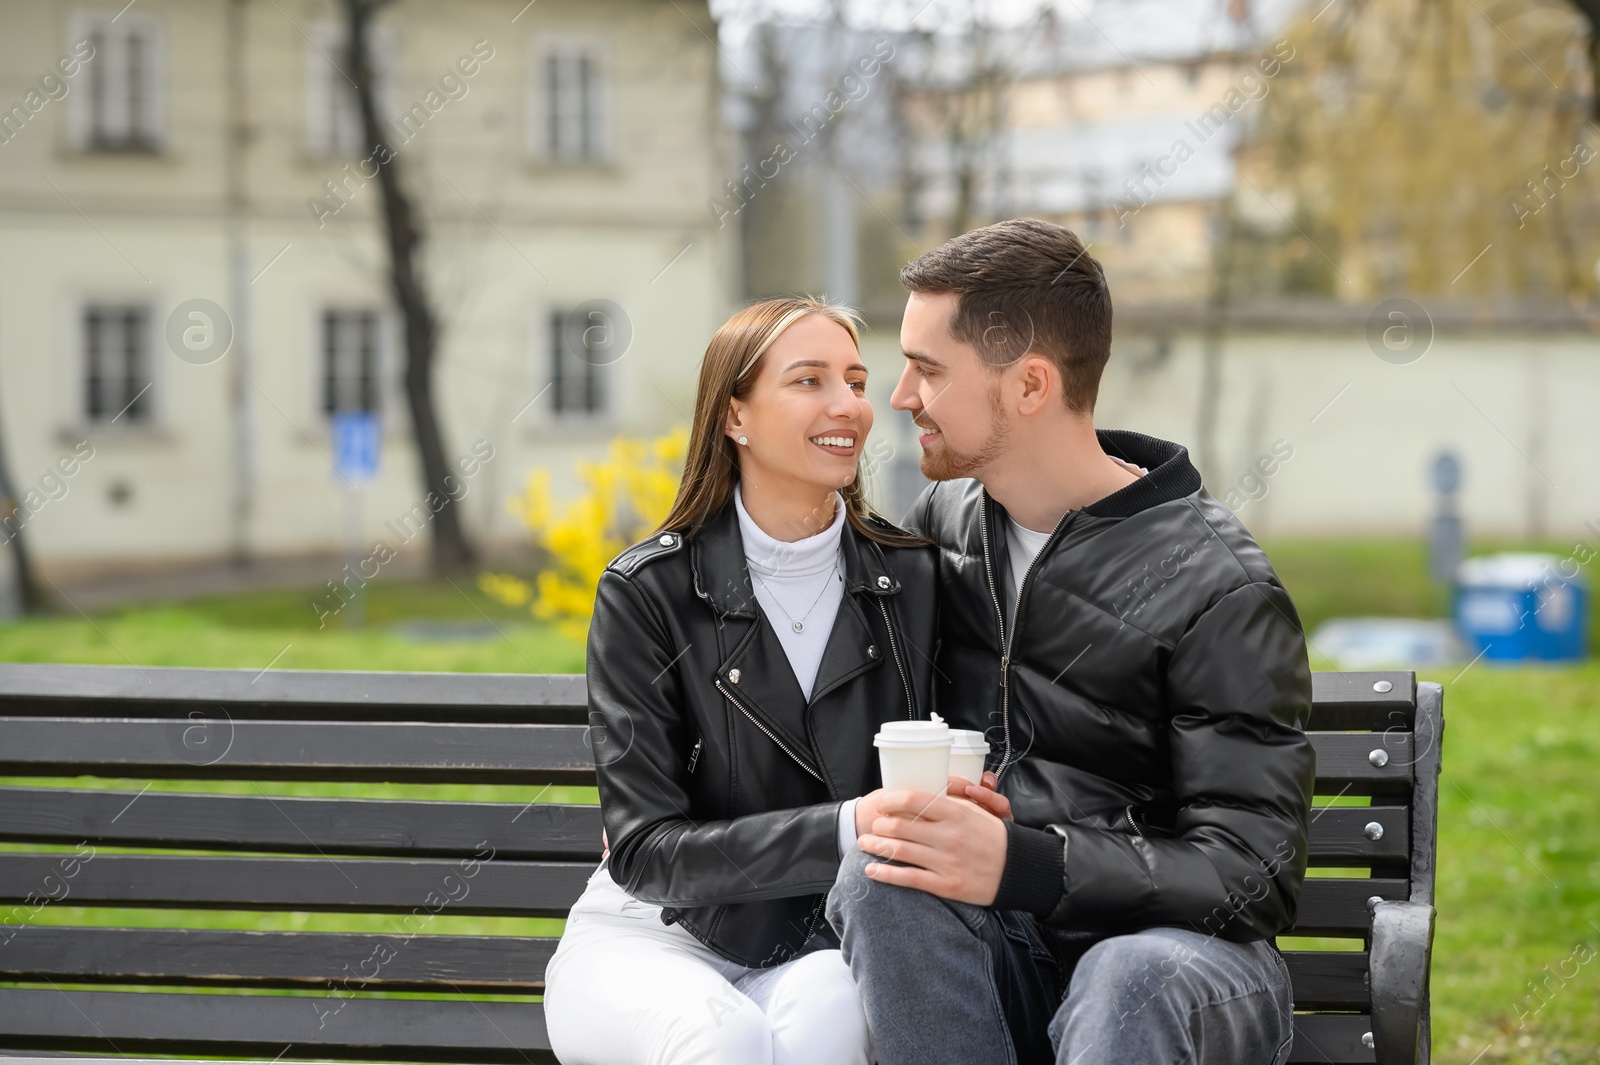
x=814, y=919
x=694, y=755
x=801, y=762
x=1007, y=637
x=1137, y=831
x=894, y=649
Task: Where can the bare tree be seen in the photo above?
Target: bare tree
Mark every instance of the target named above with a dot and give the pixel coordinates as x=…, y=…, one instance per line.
x=450, y=547
x=961, y=96
x=966, y=105
x=29, y=596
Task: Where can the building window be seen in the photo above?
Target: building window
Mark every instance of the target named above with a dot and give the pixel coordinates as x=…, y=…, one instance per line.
x=351, y=360
x=570, y=103
x=121, y=106
x=577, y=367
x=116, y=364
x=333, y=114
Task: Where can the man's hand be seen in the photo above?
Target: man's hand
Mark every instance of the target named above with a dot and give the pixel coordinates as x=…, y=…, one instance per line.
x=953, y=848
x=984, y=794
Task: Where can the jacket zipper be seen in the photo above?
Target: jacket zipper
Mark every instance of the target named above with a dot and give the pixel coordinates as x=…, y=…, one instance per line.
x=694, y=755
x=813, y=920
x=1006, y=637
x=801, y=762
x=1137, y=831
x=894, y=649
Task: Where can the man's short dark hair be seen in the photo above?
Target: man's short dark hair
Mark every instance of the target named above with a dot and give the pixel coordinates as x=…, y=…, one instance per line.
x=1025, y=285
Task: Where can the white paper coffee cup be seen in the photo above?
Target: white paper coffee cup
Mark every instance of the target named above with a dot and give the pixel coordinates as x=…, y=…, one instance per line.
x=968, y=750
x=914, y=755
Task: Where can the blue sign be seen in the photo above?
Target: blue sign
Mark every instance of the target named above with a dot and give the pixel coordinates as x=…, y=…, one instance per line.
x=355, y=444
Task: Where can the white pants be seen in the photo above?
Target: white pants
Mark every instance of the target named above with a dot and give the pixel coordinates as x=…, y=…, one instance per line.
x=625, y=989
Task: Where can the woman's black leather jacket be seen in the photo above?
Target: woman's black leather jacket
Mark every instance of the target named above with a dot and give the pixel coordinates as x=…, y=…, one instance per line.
x=720, y=785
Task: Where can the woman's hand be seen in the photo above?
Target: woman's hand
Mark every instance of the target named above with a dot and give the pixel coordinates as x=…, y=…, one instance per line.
x=866, y=810
x=982, y=794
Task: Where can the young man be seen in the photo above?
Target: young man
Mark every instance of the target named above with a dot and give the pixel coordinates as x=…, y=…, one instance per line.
x=1142, y=676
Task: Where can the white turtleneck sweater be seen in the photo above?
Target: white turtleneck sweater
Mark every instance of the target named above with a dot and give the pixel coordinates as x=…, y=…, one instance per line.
x=800, y=580
x=796, y=580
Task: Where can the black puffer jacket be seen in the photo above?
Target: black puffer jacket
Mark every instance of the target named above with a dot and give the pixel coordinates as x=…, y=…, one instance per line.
x=720, y=786
x=1145, y=709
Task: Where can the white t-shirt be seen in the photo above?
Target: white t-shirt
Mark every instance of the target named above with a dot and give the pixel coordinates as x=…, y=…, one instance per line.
x=1023, y=545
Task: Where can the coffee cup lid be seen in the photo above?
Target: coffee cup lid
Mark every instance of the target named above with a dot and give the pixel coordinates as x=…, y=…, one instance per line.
x=933, y=733
x=967, y=741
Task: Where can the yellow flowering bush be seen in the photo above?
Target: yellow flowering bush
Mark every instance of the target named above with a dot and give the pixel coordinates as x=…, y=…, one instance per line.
x=624, y=497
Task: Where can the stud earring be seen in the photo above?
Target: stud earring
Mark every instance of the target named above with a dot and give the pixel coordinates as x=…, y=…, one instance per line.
x=744, y=440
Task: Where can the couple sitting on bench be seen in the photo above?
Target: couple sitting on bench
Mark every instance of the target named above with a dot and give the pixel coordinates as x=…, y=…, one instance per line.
x=1110, y=889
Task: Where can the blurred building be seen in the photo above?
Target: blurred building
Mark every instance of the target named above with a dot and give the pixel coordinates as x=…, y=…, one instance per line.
x=559, y=154
x=1123, y=122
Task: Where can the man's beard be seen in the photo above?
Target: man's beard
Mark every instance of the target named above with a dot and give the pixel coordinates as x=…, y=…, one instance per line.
x=945, y=463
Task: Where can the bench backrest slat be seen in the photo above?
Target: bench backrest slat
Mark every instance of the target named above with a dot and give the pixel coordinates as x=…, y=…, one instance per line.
x=333, y=827
x=351, y=885
x=363, y=1029
x=395, y=827
x=1371, y=700
x=181, y=748
x=1339, y=836
x=174, y=691
x=1329, y=979
x=400, y=960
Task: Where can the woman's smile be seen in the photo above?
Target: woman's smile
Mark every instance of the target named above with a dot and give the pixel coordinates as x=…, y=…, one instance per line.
x=838, y=442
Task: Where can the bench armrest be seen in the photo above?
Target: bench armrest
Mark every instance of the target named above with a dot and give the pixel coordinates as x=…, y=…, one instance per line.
x=1402, y=949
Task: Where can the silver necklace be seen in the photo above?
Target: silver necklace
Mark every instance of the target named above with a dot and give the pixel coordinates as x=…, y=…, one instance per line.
x=799, y=624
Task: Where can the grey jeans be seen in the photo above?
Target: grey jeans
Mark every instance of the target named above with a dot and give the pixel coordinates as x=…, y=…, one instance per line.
x=948, y=982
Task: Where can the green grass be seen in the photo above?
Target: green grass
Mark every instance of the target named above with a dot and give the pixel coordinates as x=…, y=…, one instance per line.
x=1519, y=844
x=1519, y=867
x=280, y=628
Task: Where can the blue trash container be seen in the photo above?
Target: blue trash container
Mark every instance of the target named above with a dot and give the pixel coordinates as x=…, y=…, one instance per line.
x=1519, y=607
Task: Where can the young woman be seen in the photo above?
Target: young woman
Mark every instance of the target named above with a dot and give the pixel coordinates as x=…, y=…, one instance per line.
x=740, y=661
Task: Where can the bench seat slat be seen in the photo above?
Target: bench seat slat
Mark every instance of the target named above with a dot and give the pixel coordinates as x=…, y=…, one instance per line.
x=297, y=825
x=444, y=964
x=353, y=885
x=265, y=1025
x=221, y=747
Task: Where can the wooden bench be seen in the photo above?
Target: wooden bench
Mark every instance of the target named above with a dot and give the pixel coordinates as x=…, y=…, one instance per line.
x=175, y=991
